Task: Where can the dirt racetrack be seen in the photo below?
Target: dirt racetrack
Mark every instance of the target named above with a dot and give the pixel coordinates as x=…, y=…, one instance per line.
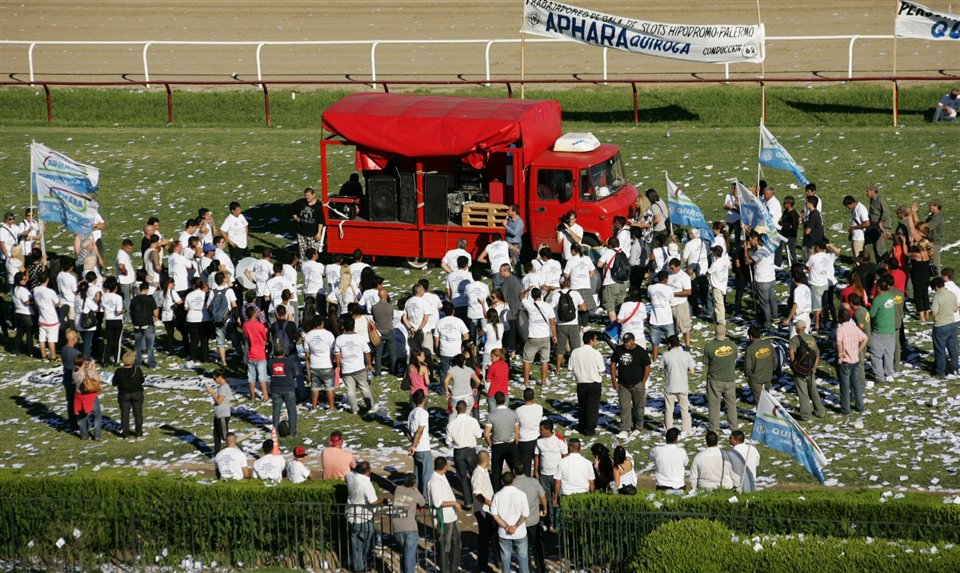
x=298, y=20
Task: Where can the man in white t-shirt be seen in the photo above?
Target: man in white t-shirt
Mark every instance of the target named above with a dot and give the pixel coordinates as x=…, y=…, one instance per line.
x=679, y=307
x=418, y=428
x=457, y=282
x=541, y=332
x=235, y=230
x=312, y=271
x=48, y=319
x=269, y=466
x=260, y=273
x=613, y=293
x=820, y=267
x=360, y=496
x=669, y=461
x=440, y=497
x=126, y=276
x=415, y=319
x=551, y=448
x=449, y=261
x=569, y=233
x=718, y=277
x=580, y=270
x=297, y=471
x=510, y=509
x=588, y=367
x=452, y=333
x=352, y=354
x=231, y=462
x=549, y=268
x=661, y=314
x=859, y=220
x=574, y=474
x=497, y=253
x=764, y=280
x=477, y=293
x=178, y=267
x=711, y=468
x=773, y=206
x=431, y=308
x=568, y=321
x=318, y=344
x=530, y=414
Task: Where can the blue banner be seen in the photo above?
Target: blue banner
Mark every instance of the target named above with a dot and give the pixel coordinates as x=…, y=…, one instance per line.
x=684, y=213
x=57, y=203
x=776, y=429
x=773, y=155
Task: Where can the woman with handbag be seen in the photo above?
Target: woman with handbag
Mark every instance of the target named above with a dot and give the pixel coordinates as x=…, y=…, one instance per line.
x=87, y=307
x=86, y=401
x=128, y=379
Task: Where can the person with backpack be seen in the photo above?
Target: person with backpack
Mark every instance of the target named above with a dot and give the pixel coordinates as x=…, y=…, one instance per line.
x=542, y=330
x=223, y=308
x=804, y=358
x=614, y=272
x=567, y=304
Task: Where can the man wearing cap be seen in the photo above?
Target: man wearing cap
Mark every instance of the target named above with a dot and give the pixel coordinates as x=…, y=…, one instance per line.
x=337, y=461
x=807, y=385
x=297, y=472
x=629, y=372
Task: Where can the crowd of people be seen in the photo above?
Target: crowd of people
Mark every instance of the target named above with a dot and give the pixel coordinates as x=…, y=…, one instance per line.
x=631, y=303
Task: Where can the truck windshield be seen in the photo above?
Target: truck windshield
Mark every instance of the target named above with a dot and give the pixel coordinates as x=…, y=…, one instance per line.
x=602, y=180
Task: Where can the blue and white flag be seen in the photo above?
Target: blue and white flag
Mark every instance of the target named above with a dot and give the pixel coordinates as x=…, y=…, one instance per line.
x=60, y=169
x=772, y=154
x=59, y=203
x=775, y=428
x=684, y=212
x=755, y=215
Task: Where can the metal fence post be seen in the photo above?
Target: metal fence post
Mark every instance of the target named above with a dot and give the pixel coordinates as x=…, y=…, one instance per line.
x=169, y=104
x=49, y=98
x=266, y=102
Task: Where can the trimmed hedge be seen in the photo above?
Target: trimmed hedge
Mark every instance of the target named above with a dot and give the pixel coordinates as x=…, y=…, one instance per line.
x=717, y=549
x=162, y=520
x=606, y=530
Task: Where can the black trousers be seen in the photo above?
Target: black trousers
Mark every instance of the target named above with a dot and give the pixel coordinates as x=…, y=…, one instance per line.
x=465, y=461
x=23, y=339
x=221, y=427
x=131, y=402
x=535, y=546
x=499, y=453
x=525, y=451
x=112, y=331
x=588, y=407
x=199, y=341
x=486, y=536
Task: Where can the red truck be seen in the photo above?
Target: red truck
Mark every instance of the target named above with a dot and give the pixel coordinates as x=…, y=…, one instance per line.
x=437, y=169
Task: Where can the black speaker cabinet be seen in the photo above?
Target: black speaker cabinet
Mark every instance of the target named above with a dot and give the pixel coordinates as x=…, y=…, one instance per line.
x=382, y=191
x=407, y=203
x=435, y=186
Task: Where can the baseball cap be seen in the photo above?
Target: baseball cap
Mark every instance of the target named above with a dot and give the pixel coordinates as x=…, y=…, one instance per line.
x=209, y=248
x=335, y=438
x=299, y=452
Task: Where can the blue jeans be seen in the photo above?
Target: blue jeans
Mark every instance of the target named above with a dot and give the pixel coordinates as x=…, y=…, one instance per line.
x=86, y=341
x=945, y=343
x=660, y=333
x=90, y=420
x=288, y=397
x=408, y=542
x=767, y=301
x=144, y=340
x=361, y=545
x=507, y=547
x=384, y=348
x=445, y=362
x=850, y=379
x=422, y=468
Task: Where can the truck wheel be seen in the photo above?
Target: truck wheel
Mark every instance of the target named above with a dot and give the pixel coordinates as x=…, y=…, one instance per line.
x=418, y=263
x=590, y=241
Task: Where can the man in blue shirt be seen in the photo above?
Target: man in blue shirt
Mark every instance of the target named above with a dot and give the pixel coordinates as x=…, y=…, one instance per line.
x=514, y=226
x=947, y=107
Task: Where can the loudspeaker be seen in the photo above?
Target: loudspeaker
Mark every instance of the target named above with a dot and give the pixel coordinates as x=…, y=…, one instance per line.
x=435, y=187
x=382, y=191
x=407, y=202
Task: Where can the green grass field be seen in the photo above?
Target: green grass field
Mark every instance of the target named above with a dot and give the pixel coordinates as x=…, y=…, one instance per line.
x=218, y=151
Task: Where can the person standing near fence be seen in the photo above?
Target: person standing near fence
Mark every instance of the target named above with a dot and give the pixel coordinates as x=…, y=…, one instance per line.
x=502, y=432
x=551, y=448
x=441, y=498
x=403, y=521
x=482, y=490
x=463, y=430
x=537, y=501
x=510, y=510
x=360, y=497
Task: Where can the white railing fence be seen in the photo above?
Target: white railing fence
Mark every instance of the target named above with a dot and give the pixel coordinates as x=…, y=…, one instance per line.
x=374, y=44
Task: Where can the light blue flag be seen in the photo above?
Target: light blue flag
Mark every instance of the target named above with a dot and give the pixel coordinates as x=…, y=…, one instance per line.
x=776, y=429
x=684, y=212
x=772, y=154
x=58, y=203
x=755, y=214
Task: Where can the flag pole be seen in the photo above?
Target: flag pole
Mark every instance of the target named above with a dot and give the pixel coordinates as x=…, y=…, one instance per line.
x=763, y=57
x=39, y=213
x=523, y=45
x=759, y=151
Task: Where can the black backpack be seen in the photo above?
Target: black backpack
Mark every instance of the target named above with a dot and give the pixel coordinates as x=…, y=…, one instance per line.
x=620, y=269
x=566, y=310
x=220, y=306
x=804, y=360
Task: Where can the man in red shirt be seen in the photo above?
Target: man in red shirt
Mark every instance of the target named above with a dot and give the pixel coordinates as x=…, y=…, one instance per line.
x=255, y=335
x=899, y=277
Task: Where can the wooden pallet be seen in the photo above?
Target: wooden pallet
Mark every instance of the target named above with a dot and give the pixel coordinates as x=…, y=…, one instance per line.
x=484, y=214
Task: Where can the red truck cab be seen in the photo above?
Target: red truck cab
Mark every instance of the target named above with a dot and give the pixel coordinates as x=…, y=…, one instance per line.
x=439, y=169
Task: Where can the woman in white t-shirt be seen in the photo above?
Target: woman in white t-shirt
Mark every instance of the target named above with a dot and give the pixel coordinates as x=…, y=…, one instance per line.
x=493, y=331
x=345, y=293
x=168, y=304
x=23, y=314
x=86, y=309
x=112, y=304
x=632, y=316
x=195, y=303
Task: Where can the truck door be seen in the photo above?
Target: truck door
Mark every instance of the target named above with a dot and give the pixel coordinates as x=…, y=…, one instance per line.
x=554, y=196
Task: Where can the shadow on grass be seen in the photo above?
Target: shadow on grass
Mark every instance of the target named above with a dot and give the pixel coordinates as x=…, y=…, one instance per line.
x=267, y=220
x=666, y=113
x=42, y=413
x=847, y=109
x=190, y=438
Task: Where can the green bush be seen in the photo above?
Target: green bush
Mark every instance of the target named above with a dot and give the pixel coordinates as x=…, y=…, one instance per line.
x=162, y=520
x=704, y=546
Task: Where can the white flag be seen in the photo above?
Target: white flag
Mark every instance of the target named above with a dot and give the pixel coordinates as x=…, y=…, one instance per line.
x=917, y=21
